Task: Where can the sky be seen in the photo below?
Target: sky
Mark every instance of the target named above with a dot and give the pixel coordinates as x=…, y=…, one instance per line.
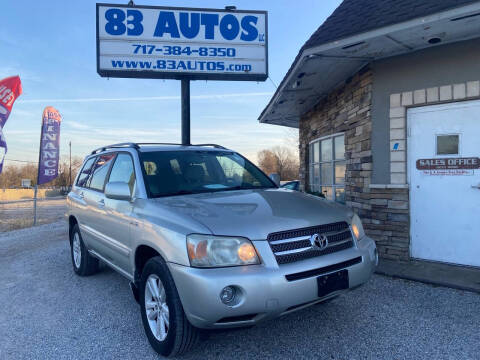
x=51, y=45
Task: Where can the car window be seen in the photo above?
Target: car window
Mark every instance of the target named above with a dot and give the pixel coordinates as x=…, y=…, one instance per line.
x=123, y=171
x=170, y=173
x=290, y=185
x=100, y=171
x=235, y=173
x=85, y=172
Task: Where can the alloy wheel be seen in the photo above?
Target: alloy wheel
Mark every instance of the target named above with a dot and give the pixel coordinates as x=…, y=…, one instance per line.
x=156, y=307
x=77, y=251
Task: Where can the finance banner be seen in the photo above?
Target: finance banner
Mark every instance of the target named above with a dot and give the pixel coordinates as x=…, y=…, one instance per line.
x=49, y=145
x=10, y=89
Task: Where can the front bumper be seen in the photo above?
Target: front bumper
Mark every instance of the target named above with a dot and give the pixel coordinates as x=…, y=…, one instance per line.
x=264, y=290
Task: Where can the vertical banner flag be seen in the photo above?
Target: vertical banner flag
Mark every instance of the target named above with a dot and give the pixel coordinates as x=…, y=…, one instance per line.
x=49, y=146
x=10, y=89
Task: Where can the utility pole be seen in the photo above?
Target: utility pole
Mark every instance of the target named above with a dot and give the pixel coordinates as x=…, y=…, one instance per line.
x=70, y=172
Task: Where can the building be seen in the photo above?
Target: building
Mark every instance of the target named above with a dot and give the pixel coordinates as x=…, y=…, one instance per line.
x=386, y=96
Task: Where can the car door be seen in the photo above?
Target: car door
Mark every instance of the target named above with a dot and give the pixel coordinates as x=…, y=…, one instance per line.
x=79, y=206
x=119, y=212
x=95, y=223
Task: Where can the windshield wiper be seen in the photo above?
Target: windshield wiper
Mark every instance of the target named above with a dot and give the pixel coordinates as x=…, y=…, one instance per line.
x=181, y=192
x=186, y=192
x=239, y=187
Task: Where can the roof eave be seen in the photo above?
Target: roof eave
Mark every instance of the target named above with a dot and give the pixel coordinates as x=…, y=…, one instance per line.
x=366, y=37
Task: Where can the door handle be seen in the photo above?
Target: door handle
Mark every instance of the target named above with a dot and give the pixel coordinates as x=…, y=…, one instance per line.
x=476, y=186
x=81, y=195
x=101, y=202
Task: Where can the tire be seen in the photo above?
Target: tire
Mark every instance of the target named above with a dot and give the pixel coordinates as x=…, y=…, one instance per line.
x=135, y=292
x=84, y=264
x=179, y=335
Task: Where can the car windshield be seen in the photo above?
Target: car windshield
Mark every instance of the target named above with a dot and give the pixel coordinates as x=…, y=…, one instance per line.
x=169, y=173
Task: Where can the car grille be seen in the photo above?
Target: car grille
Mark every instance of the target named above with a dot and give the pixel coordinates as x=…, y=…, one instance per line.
x=294, y=245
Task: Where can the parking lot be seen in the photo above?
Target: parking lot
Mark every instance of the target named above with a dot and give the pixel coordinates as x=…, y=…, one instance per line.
x=47, y=312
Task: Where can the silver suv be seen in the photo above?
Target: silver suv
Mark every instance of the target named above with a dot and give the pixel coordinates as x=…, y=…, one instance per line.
x=207, y=240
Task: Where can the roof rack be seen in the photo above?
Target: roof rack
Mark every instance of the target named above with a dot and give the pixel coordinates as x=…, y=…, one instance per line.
x=115, y=146
x=162, y=143
x=137, y=146
x=213, y=145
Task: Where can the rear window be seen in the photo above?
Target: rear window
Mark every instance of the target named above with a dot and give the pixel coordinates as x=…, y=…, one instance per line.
x=85, y=172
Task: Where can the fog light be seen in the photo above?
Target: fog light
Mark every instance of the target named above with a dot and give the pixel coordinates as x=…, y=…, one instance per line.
x=228, y=294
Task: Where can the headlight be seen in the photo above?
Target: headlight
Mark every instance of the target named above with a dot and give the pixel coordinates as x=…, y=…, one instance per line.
x=357, y=227
x=217, y=251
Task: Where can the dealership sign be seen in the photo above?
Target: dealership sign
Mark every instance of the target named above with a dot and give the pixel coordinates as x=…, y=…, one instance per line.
x=174, y=43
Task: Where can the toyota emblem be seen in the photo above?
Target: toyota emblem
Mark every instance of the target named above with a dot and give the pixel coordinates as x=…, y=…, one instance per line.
x=319, y=241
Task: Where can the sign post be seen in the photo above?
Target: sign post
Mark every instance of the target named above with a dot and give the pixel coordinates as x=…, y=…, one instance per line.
x=185, y=111
x=185, y=44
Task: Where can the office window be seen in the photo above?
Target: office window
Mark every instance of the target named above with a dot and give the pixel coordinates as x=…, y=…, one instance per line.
x=447, y=144
x=328, y=166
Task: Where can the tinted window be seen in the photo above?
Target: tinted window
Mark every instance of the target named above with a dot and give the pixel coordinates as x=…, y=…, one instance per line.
x=84, y=174
x=447, y=144
x=100, y=171
x=186, y=172
x=122, y=170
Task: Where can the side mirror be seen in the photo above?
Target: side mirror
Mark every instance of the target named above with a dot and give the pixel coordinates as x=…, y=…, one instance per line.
x=118, y=190
x=275, y=178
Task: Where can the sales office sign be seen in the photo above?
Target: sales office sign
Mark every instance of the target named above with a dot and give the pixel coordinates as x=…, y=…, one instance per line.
x=448, y=166
x=171, y=43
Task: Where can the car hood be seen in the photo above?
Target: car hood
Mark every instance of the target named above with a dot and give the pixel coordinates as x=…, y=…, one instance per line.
x=254, y=213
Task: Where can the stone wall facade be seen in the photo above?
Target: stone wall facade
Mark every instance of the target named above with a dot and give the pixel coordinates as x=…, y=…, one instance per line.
x=382, y=208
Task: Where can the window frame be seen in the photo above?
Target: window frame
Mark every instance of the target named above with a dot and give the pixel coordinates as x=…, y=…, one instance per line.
x=88, y=176
x=113, y=164
x=311, y=164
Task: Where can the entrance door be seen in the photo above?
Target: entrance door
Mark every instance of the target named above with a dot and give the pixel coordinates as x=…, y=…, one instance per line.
x=443, y=150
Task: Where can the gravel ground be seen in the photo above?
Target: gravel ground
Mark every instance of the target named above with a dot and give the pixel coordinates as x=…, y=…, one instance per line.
x=47, y=312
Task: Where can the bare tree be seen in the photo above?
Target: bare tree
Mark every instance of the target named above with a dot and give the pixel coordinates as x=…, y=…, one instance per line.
x=281, y=160
x=12, y=175
x=63, y=179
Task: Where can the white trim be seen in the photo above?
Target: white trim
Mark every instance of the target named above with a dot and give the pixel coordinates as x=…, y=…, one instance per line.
x=448, y=14
x=459, y=11
x=326, y=136
x=406, y=110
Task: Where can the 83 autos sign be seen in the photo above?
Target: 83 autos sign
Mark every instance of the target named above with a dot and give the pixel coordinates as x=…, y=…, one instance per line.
x=166, y=42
